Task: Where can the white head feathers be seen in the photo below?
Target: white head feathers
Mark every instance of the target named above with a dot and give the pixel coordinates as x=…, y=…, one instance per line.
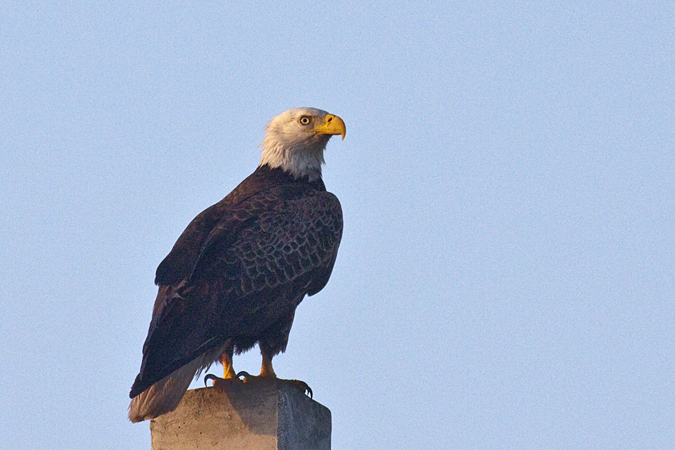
x=295, y=140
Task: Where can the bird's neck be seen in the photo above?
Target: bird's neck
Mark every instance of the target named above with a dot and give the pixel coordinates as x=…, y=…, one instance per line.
x=299, y=162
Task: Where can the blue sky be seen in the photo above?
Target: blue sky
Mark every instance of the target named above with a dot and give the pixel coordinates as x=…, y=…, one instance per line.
x=506, y=275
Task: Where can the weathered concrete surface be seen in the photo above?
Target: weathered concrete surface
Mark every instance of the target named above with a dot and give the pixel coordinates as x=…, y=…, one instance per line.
x=253, y=416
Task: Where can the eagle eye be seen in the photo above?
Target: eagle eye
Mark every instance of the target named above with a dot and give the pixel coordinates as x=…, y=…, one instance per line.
x=304, y=120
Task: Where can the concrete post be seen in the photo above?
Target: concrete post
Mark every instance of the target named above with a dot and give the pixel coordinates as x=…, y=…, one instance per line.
x=264, y=415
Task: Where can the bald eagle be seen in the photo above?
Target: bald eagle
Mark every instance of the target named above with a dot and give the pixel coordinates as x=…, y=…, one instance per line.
x=239, y=270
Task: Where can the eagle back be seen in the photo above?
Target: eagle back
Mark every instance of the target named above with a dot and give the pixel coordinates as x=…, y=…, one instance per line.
x=214, y=229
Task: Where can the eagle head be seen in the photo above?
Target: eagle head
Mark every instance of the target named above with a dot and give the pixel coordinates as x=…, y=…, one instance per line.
x=295, y=140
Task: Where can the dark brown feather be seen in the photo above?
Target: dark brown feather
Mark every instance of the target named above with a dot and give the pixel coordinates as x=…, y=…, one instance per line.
x=240, y=269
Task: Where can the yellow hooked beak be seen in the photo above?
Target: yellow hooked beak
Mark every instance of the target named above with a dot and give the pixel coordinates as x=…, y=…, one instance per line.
x=332, y=124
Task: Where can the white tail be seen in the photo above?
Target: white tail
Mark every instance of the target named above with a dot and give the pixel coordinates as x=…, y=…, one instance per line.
x=165, y=395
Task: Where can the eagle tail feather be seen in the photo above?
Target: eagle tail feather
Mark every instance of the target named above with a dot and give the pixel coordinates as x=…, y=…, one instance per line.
x=165, y=395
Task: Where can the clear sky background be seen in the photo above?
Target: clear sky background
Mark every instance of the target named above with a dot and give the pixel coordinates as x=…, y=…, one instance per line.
x=506, y=277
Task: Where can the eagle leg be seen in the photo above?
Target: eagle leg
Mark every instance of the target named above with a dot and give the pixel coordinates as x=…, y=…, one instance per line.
x=266, y=370
x=226, y=361
x=229, y=376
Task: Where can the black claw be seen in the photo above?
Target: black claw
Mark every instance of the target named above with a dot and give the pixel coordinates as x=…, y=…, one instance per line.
x=211, y=377
x=244, y=374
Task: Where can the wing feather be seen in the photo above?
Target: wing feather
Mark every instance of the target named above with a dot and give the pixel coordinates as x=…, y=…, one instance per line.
x=257, y=262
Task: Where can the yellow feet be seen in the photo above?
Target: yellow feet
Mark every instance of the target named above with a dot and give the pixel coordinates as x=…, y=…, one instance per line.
x=299, y=385
x=229, y=376
x=266, y=375
x=220, y=382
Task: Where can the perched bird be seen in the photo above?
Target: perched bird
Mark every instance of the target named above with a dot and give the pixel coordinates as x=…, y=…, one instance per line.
x=242, y=266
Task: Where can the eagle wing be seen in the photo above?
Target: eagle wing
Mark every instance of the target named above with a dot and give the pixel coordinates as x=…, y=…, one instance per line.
x=258, y=260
